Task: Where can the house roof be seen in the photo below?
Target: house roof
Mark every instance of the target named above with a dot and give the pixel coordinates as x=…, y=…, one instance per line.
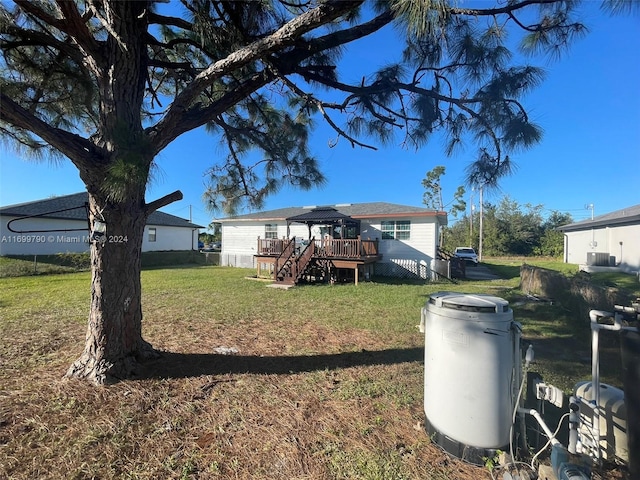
x=354, y=210
x=71, y=207
x=322, y=214
x=626, y=216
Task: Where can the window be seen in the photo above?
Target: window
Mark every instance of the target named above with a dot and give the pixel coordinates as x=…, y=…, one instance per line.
x=351, y=232
x=271, y=230
x=388, y=230
x=398, y=229
x=152, y=234
x=403, y=230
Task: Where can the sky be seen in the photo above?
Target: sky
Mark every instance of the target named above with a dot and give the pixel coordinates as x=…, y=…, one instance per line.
x=587, y=162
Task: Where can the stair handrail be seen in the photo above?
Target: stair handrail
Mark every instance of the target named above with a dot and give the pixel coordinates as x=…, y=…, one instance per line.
x=285, y=256
x=302, y=261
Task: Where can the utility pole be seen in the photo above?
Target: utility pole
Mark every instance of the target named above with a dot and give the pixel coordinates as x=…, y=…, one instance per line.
x=481, y=222
x=471, y=209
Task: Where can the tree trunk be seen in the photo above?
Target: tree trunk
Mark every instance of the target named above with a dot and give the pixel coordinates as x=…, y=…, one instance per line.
x=114, y=340
x=116, y=183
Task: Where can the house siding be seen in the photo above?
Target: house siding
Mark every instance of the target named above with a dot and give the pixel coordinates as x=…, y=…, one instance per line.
x=53, y=240
x=45, y=226
x=170, y=238
x=240, y=240
x=60, y=241
x=239, y=244
x=405, y=258
x=578, y=244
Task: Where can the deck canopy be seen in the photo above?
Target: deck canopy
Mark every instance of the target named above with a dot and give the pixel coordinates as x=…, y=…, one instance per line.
x=339, y=224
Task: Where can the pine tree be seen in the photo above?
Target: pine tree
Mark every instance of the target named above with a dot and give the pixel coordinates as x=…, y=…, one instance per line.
x=108, y=84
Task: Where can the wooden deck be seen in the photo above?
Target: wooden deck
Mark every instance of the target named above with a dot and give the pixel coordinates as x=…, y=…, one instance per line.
x=293, y=260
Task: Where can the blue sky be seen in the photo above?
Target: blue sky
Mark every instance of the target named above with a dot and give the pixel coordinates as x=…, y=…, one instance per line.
x=588, y=106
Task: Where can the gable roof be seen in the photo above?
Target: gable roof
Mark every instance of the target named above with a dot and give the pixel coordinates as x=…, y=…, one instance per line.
x=625, y=216
x=71, y=207
x=354, y=210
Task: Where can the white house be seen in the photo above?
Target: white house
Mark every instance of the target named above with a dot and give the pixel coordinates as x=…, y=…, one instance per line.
x=60, y=225
x=611, y=240
x=407, y=237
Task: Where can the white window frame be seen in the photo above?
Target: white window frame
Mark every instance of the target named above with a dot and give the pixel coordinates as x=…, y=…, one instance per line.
x=396, y=229
x=270, y=230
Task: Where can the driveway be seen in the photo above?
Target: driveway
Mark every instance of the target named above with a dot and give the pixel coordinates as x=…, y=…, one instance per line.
x=480, y=272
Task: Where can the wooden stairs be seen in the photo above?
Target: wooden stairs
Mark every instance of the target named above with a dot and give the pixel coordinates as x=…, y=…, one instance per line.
x=296, y=263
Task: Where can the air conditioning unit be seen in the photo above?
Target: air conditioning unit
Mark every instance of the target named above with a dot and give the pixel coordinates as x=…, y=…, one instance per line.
x=598, y=259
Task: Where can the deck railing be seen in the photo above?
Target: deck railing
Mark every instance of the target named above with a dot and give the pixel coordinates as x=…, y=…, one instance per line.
x=369, y=247
x=285, y=259
x=338, y=248
x=271, y=246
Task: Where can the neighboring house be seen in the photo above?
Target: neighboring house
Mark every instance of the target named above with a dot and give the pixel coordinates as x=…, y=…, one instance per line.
x=611, y=240
x=60, y=225
x=406, y=238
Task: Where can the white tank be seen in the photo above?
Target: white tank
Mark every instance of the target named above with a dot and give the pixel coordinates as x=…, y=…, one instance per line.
x=471, y=347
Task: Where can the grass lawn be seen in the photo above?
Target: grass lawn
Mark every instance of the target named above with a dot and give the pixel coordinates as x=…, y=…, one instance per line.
x=326, y=383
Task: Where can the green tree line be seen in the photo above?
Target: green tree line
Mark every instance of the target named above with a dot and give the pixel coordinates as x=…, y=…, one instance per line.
x=510, y=229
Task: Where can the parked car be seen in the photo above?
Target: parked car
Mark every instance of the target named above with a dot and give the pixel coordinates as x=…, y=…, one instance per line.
x=466, y=253
x=212, y=247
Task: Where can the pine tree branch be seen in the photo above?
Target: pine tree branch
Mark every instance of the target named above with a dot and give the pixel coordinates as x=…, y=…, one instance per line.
x=283, y=37
x=40, y=14
x=462, y=103
x=509, y=8
x=28, y=37
x=305, y=49
x=161, y=135
x=157, y=19
x=236, y=159
x=71, y=145
x=320, y=106
x=191, y=118
x=366, y=90
x=106, y=24
x=177, y=41
x=166, y=65
x=75, y=26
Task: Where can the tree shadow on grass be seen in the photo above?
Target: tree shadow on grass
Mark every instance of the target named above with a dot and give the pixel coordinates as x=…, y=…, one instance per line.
x=187, y=365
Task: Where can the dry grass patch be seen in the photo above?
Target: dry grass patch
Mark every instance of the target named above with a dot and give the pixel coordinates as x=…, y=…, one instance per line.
x=199, y=415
